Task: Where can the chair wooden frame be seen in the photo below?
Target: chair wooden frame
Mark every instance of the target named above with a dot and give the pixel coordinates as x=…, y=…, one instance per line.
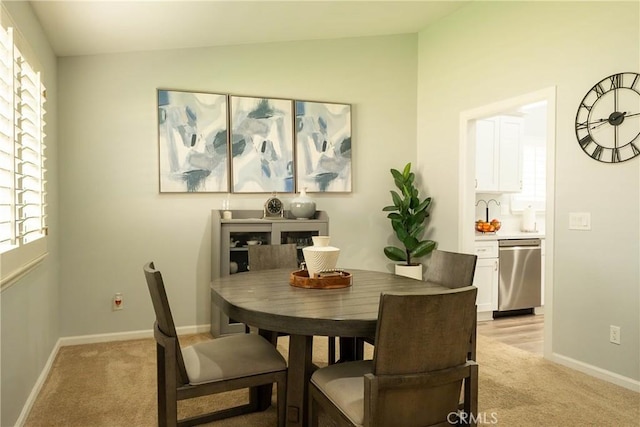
x=172, y=378
x=265, y=257
x=452, y=270
x=405, y=361
x=375, y=386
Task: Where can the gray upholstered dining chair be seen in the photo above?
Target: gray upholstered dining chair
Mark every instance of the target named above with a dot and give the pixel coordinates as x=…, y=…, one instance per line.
x=451, y=270
x=418, y=370
x=215, y=366
x=265, y=257
x=454, y=270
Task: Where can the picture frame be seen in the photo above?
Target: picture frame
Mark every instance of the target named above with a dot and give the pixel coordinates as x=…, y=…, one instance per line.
x=323, y=146
x=193, y=142
x=261, y=139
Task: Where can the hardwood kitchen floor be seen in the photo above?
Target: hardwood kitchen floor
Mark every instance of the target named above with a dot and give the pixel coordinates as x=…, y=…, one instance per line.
x=525, y=332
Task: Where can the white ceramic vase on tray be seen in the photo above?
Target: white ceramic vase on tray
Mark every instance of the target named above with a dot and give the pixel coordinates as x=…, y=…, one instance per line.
x=320, y=256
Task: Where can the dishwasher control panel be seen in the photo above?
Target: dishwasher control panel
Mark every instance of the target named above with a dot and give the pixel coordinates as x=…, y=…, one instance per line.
x=518, y=242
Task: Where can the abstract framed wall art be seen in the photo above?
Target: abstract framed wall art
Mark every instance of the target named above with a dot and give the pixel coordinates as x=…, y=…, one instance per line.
x=261, y=145
x=193, y=139
x=323, y=146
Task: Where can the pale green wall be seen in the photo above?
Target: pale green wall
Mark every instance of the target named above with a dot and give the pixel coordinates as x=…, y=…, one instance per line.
x=29, y=308
x=491, y=51
x=113, y=218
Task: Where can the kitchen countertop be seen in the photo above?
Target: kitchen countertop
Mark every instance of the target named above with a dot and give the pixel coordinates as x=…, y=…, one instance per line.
x=508, y=235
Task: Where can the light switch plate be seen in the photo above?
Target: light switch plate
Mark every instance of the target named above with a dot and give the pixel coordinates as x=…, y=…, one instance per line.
x=579, y=221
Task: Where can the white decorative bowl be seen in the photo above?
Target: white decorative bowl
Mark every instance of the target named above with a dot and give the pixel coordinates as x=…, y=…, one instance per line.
x=320, y=258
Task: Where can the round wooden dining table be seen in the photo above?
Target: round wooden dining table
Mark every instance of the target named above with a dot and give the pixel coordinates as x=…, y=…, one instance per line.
x=264, y=299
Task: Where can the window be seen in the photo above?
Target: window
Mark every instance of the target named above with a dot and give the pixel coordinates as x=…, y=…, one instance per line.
x=22, y=172
x=534, y=154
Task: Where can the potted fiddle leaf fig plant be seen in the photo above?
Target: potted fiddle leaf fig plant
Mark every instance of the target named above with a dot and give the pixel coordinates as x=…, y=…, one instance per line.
x=408, y=215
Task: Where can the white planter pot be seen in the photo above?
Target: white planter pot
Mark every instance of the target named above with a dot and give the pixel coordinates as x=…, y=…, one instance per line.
x=413, y=271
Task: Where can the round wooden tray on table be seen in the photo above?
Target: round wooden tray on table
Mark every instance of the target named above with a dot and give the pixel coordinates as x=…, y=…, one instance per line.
x=328, y=280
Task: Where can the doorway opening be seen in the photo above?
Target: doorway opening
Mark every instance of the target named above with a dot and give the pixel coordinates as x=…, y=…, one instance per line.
x=545, y=99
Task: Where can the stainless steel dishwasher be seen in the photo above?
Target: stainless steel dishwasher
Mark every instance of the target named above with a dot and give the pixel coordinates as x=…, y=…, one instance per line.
x=519, y=285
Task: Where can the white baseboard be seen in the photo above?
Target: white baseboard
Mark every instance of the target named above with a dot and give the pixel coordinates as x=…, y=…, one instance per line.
x=91, y=339
x=130, y=335
x=596, y=372
x=37, y=386
x=484, y=316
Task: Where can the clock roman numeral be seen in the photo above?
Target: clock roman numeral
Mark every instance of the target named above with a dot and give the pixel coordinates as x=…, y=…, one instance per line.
x=616, y=81
x=635, y=149
x=597, y=153
x=615, y=155
x=587, y=107
x=635, y=81
x=585, y=141
x=599, y=90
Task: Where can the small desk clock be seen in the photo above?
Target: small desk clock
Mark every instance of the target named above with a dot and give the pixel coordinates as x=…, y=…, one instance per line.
x=273, y=208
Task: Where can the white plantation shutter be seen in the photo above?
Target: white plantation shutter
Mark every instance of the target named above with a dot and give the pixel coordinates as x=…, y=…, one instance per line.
x=29, y=154
x=7, y=211
x=22, y=173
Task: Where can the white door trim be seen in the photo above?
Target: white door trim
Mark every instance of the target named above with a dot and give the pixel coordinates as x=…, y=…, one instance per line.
x=466, y=190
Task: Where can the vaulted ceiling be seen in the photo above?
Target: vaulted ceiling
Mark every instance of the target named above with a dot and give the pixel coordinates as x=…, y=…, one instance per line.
x=82, y=27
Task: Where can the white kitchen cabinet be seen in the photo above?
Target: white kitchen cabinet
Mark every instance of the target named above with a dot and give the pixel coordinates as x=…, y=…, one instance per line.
x=499, y=154
x=486, y=275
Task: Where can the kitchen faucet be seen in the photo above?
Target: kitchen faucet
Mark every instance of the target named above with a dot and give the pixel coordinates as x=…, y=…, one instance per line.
x=486, y=206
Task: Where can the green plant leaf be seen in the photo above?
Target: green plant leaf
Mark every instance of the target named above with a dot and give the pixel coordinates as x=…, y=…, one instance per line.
x=424, y=205
x=410, y=242
x=395, y=254
x=423, y=248
x=407, y=169
x=397, y=200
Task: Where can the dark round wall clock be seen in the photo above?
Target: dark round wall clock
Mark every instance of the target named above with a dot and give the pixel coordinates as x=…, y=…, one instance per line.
x=608, y=119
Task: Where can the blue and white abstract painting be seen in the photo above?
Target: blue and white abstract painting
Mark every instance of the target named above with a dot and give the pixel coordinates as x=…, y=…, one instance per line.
x=194, y=149
x=261, y=145
x=323, y=146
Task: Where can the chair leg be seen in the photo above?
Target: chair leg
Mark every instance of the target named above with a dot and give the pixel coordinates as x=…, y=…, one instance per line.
x=313, y=408
x=282, y=402
x=471, y=395
x=161, y=386
x=167, y=387
x=359, y=349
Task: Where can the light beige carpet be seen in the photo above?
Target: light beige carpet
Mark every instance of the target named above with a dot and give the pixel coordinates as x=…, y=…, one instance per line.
x=113, y=384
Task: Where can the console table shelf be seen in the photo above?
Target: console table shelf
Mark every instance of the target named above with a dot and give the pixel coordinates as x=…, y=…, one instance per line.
x=229, y=251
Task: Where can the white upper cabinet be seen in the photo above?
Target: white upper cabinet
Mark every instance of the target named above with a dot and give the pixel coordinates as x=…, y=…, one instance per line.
x=499, y=155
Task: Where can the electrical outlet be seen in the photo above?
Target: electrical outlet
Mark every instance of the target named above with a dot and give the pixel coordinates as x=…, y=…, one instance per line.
x=614, y=334
x=118, y=302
